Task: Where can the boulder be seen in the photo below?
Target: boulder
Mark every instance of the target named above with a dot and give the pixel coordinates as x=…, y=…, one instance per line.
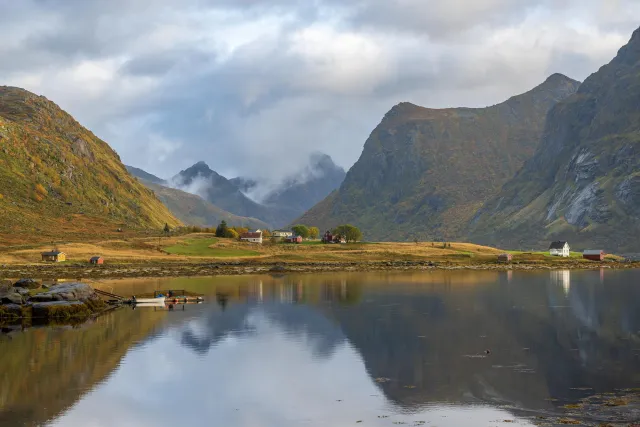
x=11, y=298
x=27, y=284
x=67, y=292
x=60, y=309
x=21, y=291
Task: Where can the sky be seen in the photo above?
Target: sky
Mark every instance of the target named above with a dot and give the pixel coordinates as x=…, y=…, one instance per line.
x=253, y=87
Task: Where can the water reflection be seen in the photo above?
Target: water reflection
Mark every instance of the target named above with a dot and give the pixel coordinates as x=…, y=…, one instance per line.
x=451, y=349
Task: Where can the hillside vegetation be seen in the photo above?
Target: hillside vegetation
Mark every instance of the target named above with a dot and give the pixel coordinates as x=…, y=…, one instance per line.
x=583, y=184
x=423, y=173
x=58, y=179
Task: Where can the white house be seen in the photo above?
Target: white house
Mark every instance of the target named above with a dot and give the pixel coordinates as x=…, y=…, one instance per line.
x=559, y=249
x=282, y=233
x=252, y=237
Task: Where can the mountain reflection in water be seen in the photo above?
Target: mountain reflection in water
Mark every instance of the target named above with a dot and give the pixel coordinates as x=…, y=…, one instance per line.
x=335, y=349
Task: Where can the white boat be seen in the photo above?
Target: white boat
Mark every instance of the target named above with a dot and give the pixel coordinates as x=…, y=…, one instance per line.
x=148, y=301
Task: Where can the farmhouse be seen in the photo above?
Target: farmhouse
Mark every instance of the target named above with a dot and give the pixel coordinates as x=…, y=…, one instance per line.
x=97, y=260
x=559, y=249
x=54, y=256
x=593, y=255
x=282, y=233
x=252, y=237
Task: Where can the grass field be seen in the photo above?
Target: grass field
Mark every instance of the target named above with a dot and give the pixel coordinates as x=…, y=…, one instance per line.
x=204, y=247
x=199, y=247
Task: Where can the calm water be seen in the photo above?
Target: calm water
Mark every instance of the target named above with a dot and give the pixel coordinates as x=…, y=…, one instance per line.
x=333, y=350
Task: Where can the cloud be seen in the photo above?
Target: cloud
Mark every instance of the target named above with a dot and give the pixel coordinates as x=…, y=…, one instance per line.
x=253, y=87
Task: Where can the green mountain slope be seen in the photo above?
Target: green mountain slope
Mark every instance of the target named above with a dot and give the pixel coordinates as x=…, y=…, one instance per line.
x=194, y=210
x=57, y=178
x=583, y=184
x=139, y=173
x=423, y=173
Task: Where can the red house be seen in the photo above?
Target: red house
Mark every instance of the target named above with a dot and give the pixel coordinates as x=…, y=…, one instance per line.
x=293, y=239
x=593, y=255
x=505, y=258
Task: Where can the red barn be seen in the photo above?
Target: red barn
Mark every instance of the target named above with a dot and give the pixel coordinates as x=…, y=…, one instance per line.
x=593, y=255
x=97, y=260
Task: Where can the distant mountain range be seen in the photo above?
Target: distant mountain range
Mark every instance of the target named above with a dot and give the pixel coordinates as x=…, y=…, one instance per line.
x=583, y=183
x=222, y=198
x=423, y=173
x=59, y=179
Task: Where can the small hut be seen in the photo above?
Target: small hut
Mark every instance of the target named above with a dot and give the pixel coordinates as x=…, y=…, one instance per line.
x=505, y=258
x=54, y=256
x=97, y=260
x=593, y=255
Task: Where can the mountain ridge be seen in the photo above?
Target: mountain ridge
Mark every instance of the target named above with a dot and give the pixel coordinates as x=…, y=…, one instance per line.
x=424, y=172
x=58, y=179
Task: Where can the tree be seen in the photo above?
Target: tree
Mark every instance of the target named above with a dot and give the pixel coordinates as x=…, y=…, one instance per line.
x=167, y=229
x=222, y=230
x=314, y=232
x=232, y=234
x=300, y=230
x=349, y=232
x=266, y=233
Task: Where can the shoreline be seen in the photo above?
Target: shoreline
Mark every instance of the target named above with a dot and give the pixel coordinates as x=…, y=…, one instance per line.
x=133, y=270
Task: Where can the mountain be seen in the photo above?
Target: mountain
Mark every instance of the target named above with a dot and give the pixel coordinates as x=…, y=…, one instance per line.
x=139, y=173
x=201, y=180
x=57, y=178
x=583, y=183
x=194, y=210
x=244, y=184
x=424, y=172
x=303, y=190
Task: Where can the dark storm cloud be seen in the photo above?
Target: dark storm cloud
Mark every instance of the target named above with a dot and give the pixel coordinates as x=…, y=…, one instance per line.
x=246, y=83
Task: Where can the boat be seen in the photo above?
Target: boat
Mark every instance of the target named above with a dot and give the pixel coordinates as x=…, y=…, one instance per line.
x=154, y=301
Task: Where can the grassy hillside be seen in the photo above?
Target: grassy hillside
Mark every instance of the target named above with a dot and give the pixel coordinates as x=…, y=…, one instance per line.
x=57, y=178
x=583, y=184
x=194, y=210
x=423, y=173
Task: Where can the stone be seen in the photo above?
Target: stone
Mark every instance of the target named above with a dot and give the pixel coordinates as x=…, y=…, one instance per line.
x=27, y=283
x=21, y=291
x=12, y=298
x=60, y=309
x=67, y=292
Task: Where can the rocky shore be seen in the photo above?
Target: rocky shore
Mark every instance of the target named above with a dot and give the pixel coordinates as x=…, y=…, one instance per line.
x=29, y=299
x=170, y=269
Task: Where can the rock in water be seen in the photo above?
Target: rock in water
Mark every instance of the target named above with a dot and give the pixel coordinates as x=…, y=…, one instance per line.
x=11, y=298
x=60, y=309
x=67, y=292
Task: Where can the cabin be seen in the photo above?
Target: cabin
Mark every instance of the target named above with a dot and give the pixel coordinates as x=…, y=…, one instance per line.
x=593, y=255
x=505, y=258
x=560, y=248
x=293, y=239
x=96, y=260
x=282, y=233
x=252, y=237
x=54, y=256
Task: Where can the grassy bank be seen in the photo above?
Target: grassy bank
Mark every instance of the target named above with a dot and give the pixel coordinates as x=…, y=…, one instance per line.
x=202, y=254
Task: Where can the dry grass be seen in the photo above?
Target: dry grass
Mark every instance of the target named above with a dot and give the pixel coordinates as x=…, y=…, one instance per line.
x=154, y=249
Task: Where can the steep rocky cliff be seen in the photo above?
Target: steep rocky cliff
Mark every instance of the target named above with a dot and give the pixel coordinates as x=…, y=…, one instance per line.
x=583, y=184
x=423, y=173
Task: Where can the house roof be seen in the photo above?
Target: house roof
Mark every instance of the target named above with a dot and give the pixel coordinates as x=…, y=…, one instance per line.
x=557, y=245
x=52, y=253
x=282, y=231
x=251, y=235
x=593, y=252
x=95, y=258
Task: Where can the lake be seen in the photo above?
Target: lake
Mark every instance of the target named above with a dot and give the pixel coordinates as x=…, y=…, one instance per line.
x=339, y=349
